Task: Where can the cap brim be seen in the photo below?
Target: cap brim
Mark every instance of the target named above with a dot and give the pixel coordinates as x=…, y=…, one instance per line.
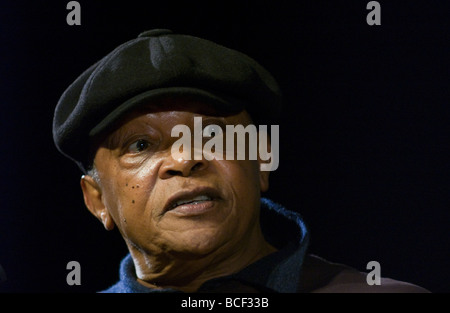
x=225, y=104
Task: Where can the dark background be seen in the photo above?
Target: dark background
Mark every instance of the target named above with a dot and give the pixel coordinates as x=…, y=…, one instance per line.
x=364, y=139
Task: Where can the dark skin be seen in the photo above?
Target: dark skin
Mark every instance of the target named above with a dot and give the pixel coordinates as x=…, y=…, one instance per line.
x=182, y=246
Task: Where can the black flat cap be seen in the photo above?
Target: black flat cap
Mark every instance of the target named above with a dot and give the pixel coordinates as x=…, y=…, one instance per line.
x=159, y=63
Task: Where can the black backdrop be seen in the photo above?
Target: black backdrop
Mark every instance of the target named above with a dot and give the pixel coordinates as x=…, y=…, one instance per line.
x=364, y=139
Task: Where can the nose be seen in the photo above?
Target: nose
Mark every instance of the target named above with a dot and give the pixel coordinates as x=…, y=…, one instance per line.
x=181, y=167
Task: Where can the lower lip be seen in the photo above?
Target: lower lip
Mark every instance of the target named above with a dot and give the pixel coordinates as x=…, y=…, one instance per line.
x=192, y=209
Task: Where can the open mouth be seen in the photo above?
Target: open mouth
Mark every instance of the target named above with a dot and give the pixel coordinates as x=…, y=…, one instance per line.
x=195, y=200
x=192, y=202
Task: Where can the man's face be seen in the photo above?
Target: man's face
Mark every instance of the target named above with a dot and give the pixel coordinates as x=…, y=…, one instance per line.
x=165, y=205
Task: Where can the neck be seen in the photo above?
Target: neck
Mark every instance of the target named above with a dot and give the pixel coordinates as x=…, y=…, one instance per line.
x=188, y=273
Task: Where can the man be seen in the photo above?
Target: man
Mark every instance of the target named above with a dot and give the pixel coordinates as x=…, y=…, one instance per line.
x=191, y=224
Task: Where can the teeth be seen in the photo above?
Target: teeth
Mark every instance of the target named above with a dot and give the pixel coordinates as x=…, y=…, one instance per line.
x=195, y=199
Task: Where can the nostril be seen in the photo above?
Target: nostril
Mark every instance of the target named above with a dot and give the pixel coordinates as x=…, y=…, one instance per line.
x=174, y=173
x=196, y=167
x=183, y=168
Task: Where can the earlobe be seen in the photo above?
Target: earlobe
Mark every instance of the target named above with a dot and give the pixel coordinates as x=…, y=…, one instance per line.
x=93, y=199
x=106, y=219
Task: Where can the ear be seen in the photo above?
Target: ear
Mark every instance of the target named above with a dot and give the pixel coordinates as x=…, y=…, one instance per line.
x=92, y=195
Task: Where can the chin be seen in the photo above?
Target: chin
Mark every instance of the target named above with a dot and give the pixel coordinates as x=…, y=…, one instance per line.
x=201, y=242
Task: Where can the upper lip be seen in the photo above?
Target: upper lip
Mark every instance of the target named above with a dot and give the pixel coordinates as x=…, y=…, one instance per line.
x=212, y=193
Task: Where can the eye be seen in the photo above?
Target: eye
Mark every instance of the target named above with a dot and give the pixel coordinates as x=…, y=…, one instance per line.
x=138, y=146
x=212, y=130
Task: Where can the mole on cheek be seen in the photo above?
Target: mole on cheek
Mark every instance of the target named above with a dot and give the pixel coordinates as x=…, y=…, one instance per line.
x=132, y=201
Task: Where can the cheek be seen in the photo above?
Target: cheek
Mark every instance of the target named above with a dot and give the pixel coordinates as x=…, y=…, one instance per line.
x=242, y=175
x=135, y=221
x=241, y=180
x=129, y=199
